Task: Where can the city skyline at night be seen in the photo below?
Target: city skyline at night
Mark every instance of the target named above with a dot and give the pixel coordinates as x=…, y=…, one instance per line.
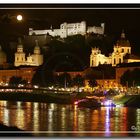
x=70, y=70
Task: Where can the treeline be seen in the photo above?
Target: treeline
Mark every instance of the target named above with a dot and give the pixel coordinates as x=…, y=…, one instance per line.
x=131, y=78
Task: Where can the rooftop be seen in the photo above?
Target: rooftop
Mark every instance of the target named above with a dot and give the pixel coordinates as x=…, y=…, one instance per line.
x=134, y=64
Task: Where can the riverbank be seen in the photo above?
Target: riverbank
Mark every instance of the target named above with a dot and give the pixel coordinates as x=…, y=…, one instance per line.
x=128, y=101
x=50, y=97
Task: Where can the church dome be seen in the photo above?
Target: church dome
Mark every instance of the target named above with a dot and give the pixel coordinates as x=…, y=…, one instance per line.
x=3, y=56
x=123, y=42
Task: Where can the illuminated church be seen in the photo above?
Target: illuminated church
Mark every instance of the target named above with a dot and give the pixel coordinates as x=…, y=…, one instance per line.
x=36, y=59
x=122, y=49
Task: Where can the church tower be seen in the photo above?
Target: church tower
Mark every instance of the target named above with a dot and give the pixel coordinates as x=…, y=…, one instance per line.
x=19, y=55
x=37, y=56
x=96, y=58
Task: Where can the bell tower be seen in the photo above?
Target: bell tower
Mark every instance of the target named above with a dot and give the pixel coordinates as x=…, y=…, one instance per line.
x=19, y=55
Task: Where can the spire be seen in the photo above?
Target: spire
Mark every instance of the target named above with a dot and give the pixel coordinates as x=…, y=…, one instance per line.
x=123, y=34
x=37, y=48
x=51, y=27
x=36, y=42
x=19, y=40
x=19, y=46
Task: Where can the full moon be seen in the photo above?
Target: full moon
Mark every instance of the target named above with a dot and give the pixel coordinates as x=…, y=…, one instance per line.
x=19, y=17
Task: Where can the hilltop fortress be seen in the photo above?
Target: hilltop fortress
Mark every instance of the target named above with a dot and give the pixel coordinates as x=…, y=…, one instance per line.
x=69, y=29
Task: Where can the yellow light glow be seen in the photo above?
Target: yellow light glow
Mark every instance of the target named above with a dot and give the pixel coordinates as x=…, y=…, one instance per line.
x=19, y=17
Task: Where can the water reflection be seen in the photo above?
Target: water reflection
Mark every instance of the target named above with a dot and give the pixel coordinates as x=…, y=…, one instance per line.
x=6, y=117
x=35, y=117
x=43, y=117
x=75, y=120
x=107, y=121
x=20, y=116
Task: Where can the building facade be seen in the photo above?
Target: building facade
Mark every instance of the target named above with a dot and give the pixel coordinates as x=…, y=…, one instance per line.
x=24, y=73
x=68, y=29
x=120, y=70
x=36, y=59
x=121, y=49
x=96, y=58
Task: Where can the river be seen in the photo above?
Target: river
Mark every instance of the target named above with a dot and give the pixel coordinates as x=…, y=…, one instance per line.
x=43, y=119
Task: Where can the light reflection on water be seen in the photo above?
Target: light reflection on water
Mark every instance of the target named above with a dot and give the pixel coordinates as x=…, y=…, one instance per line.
x=58, y=117
x=107, y=121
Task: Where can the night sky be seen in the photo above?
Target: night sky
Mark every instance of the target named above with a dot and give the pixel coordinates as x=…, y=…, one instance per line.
x=115, y=20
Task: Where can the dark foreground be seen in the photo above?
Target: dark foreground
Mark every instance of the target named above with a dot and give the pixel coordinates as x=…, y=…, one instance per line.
x=36, y=96
x=129, y=101
x=12, y=131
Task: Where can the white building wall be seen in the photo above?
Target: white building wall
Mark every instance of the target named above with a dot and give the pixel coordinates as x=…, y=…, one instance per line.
x=19, y=59
x=133, y=60
x=97, y=58
x=117, y=58
x=96, y=30
x=76, y=28
x=68, y=29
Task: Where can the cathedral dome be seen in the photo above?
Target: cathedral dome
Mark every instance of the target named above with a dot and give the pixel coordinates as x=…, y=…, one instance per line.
x=123, y=42
x=3, y=56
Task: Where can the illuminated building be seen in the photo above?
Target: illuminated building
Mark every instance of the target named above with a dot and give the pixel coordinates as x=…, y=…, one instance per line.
x=107, y=83
x=25, y=73
x=122, y=68
x=36, y=59
x=122, y=49
x=68, y=29
x=97, y=58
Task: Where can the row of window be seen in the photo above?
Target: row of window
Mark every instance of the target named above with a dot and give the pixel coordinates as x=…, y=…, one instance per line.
x=23, y=59
x=114, y=62
x=128, y=50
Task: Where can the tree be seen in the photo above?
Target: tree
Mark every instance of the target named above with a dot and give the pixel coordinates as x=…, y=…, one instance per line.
x=92, y=83
x=63, y=80
x=129, y=78
x=78, y=81
x=15, y=81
